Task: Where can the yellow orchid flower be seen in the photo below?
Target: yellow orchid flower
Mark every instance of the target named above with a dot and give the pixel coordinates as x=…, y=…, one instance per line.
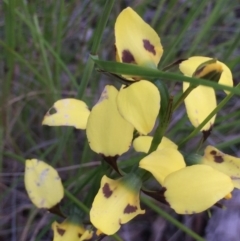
x=43, y=184
x=190, y=189
x=116, y=203
x=202, y=100
x=69, y=231
x=222, y=162
x=196, y=188
x=136, y=41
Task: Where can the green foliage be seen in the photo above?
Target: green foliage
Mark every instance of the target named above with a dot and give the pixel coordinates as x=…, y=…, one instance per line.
x=46, y=53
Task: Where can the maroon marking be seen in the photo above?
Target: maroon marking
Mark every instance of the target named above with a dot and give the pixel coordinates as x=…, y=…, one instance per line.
x=148, y=46
x=106, y=190
x=79, y=235
x=218, y=159
x=127, y=57
x=52, y=111
x=213, y=153
x=60, y=231
x=235, y=178
x=130, y=209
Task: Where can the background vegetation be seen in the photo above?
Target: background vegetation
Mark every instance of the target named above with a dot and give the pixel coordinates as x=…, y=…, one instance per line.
x=44, y=47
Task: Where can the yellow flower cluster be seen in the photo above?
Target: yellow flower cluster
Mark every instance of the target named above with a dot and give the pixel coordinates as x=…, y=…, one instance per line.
x=110, y=126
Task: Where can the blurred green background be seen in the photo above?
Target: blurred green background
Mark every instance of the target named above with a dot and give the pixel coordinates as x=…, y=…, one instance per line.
x=44, y=47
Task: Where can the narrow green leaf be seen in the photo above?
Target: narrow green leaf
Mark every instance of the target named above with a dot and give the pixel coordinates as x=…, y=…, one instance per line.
x=153, y=74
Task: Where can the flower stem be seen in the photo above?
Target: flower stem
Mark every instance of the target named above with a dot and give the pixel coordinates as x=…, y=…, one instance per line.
x=183, y=96
x=172, y=220
x=94, y=49
x=76, y=201
x=164, y=115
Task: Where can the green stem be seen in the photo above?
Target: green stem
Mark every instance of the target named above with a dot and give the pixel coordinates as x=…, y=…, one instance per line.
x=188, y=22
x=76, y=201
x=162, y=126
x=59, y=41
x=233, y=46
x=164, y=115
x=207, y=26
x=23, y=61
x=183, y=97
x=157, y=13
x=85, y=78
x=10, y=39
x=228, y=143
x=96, y=42
x=48, y=46
x=101, y=26
x=49, y=80
x=153, y=74
x=172, y=220
x=200, y=144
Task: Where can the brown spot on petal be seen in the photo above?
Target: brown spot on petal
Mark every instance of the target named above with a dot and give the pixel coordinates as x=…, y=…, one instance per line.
x=218, y=159
x=52, y=111
x=235, y=178
x=213, y=153
x=130, y=209
x=106, y=190
x=79, y=235
x=127, y=57
x=60, y=231
x=148, y=46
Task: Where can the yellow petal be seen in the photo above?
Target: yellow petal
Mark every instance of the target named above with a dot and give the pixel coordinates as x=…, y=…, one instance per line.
x=67, y=112
x=116, y=203
x=163, y=162
x=199, y=104
x=143, y=143
x=227, y=164
x=136, y=41
x=70, y=231
x=108, y=132
x=43, y=184
x=196, y=188
x=188, y=67
x=139, y=104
